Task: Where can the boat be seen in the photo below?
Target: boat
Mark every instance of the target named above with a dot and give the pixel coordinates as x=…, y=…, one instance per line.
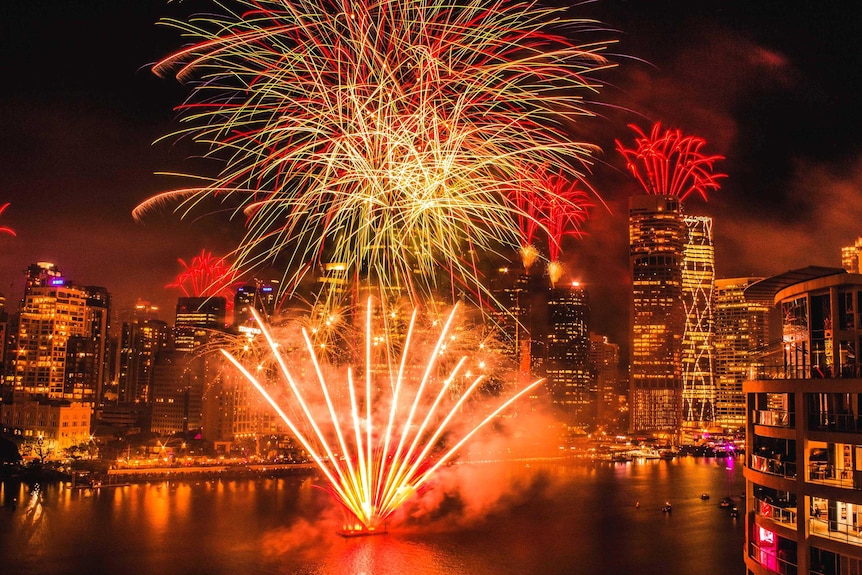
x=725, y=502
x=704, y=496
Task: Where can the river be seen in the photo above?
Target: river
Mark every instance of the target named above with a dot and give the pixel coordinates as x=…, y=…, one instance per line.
x=518, y=518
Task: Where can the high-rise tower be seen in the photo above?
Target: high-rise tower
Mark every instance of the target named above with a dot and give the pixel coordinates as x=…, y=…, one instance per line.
x=62, y=337
x=698, y=279
x=741, y=336
x=657, y=236
x=196, y=318
x=567, y=367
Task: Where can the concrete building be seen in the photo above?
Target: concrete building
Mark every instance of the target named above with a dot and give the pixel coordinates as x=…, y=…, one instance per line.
x=605, y=365
x=567, y=365
x=52, y=424
x=741, y=335
x=803, y=506
x=62, y=338
x=657, y=235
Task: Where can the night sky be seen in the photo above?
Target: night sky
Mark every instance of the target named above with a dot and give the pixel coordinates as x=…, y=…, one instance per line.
x=771, y=85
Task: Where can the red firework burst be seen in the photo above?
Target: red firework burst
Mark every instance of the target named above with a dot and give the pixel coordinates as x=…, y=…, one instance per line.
x=206, y=276
x=565, y=210
x=5, y=229
x=670, y=164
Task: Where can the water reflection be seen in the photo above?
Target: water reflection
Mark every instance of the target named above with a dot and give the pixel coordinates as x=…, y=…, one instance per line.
x=542, y=519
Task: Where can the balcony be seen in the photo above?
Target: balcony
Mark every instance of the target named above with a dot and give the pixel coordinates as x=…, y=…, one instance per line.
x=774, y=466
x=773, y=418
x=769, y=559
x=783, y=515
x=825, y=474
x=826, y=421
x=837, y=530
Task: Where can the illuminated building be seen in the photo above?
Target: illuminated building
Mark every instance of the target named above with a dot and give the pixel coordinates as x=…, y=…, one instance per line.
x=520, y=296
x=4, y=340
x=741, y=334
x=851, y=257
x=261, y=296
x=567, y=365
x=196, y=319
x=62, y=335
x=804, y=429
x=657, y=235
x=140, y=342
x=605, y=364
x=179, y=379
x=698, y=278
x=55, y=424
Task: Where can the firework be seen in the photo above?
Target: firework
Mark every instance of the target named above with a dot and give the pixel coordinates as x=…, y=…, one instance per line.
x=379, y=437
x=670, y=164
x=552, y=204
x=5, y=229
x=380, y=134
x=565, y=211
x=206, y=276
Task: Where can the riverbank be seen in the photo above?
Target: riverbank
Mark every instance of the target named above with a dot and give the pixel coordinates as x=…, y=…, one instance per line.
x=114, y=477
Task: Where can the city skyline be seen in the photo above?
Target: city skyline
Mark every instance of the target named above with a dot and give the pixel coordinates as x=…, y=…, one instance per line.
x=85, y=109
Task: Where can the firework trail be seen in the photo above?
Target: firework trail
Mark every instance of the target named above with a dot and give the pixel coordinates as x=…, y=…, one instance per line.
x=552, y=204
x=670, y=164
x=5, y=229
x=565, y=211
x=206, y=276
x=379, y=436
x=380, y=134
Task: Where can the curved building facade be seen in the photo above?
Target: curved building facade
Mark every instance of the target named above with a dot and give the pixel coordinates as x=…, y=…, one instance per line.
x=804, y=430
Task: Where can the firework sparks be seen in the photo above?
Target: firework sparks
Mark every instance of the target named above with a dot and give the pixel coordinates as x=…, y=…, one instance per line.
x=565, y=211
x=670, y=164
x=5, y=229
x=206, y=276
x=378, y=441
x=382, y=135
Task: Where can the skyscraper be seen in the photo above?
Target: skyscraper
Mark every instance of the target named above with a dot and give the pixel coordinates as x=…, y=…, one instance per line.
x=567, y=366
x=605, y=364
x=62, y=337
x=741, y=336
x=260, y=296
x=196, y=318
x=180, y=377
x=140, y=342
x=657, y=235
x=698, y=278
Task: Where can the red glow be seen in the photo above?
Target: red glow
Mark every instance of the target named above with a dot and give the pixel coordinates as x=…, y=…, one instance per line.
x=670, y=164
x=4, y=229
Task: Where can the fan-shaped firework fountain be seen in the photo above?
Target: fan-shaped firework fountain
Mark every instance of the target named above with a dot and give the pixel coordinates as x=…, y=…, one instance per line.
x=388, y=440
x=385, y=136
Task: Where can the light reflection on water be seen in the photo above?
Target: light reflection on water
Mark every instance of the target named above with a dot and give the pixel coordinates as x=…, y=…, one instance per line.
x=552, y=519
